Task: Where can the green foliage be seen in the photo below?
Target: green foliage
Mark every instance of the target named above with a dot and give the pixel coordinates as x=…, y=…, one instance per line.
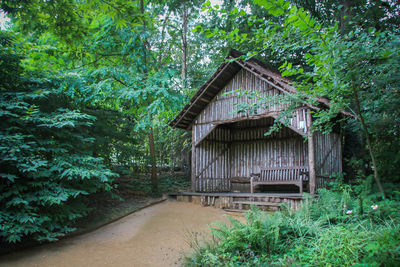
x=69, y=116
x=167, y=184
x=83, y=83
x=70, y=20
x=46, y=168
x=343, y=56
x=319, y=234
x=117, y=66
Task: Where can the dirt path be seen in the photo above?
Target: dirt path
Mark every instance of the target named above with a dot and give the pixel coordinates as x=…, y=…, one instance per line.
x=155, y=236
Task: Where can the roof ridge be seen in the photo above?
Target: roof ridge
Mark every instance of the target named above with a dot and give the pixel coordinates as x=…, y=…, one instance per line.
x=224, y=73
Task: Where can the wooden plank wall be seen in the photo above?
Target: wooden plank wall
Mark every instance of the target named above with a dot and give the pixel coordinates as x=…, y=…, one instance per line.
x=236, y=149
x=328, y=154
x=211, y=163
x=200, y=131
x=222, y=107
x=243, y=149
x=252, y=150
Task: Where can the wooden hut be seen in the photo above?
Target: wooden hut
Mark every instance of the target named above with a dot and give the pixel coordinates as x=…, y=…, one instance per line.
x=228, y=148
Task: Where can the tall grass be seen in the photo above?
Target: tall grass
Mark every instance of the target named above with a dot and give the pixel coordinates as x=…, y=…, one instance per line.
x=322, y=233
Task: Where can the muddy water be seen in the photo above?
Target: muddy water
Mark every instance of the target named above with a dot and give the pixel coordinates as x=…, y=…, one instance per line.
x=155, y=236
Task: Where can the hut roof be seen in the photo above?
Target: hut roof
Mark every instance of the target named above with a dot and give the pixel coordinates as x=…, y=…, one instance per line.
x=225, y=72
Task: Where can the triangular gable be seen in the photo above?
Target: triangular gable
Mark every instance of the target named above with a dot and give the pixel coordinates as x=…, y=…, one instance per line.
x=223, y=75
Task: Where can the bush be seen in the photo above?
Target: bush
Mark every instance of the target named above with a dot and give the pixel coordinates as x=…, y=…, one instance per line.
x=322, y=233
x=46, y=167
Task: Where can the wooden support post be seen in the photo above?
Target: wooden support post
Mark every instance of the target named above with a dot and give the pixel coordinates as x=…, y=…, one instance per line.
x=193, y=161
x=341, y=147
x=311, y=153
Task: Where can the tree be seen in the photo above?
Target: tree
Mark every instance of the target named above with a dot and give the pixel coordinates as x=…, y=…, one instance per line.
x=47, y=168
x=349, y=67
x=50, y=101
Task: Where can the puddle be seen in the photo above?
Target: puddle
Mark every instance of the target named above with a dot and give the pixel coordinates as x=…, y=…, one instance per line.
x=155, y=236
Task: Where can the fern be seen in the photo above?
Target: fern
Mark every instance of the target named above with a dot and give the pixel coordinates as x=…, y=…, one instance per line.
x=315, y=235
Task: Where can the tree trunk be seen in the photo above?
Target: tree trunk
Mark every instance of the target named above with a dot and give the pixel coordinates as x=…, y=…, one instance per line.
x=184, y=44
x=368, y=139
x=346, y=15
x=154, y=178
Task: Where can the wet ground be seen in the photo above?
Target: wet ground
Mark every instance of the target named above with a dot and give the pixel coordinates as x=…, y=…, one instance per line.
x=159, y=235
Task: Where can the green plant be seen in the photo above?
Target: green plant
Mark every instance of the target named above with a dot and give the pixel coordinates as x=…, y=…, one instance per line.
x=385, y=248
x=167, y=184
x=46, y=167
x=321, y=233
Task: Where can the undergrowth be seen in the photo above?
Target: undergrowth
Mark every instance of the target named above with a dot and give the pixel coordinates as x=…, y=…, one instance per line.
x=332, y=230
x=166, y=184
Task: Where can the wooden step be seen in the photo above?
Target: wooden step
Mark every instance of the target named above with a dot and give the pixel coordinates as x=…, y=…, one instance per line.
x=257, y=203
x=235, y=210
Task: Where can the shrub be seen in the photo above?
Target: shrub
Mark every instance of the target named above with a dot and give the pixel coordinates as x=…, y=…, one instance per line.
x=46, y=167
x=319, y=234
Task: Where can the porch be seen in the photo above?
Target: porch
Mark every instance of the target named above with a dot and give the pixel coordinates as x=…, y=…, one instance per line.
x=239, y=202
x=228, y=154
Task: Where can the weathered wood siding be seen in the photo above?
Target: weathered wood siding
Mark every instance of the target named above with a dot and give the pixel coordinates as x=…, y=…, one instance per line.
x=222, y=107
x=328, y=155
x=211, y=163
x=242, y=149
x=252, y=150
x=201, y=131
x=228, y=145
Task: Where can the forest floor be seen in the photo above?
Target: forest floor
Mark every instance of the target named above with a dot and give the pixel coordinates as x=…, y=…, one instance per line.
x=160, y=235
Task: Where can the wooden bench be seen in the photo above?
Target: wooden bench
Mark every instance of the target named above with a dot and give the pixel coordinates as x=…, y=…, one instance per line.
x=294, y=175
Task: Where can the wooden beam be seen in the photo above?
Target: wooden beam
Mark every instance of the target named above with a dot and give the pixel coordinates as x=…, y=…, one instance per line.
x=273, y=115
x=220, y=70
x=214, y=86
x=262, y=78
x=252, y=140
x=243, y=118
x=205, y=100
x=204, y=136
x=210, y=93
x=311, y=153
x=216, y=141
x=299, y=131
x=193, y=113
x=193, y=185
x=213, y=160
x=273, y=84
x=252, y=128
